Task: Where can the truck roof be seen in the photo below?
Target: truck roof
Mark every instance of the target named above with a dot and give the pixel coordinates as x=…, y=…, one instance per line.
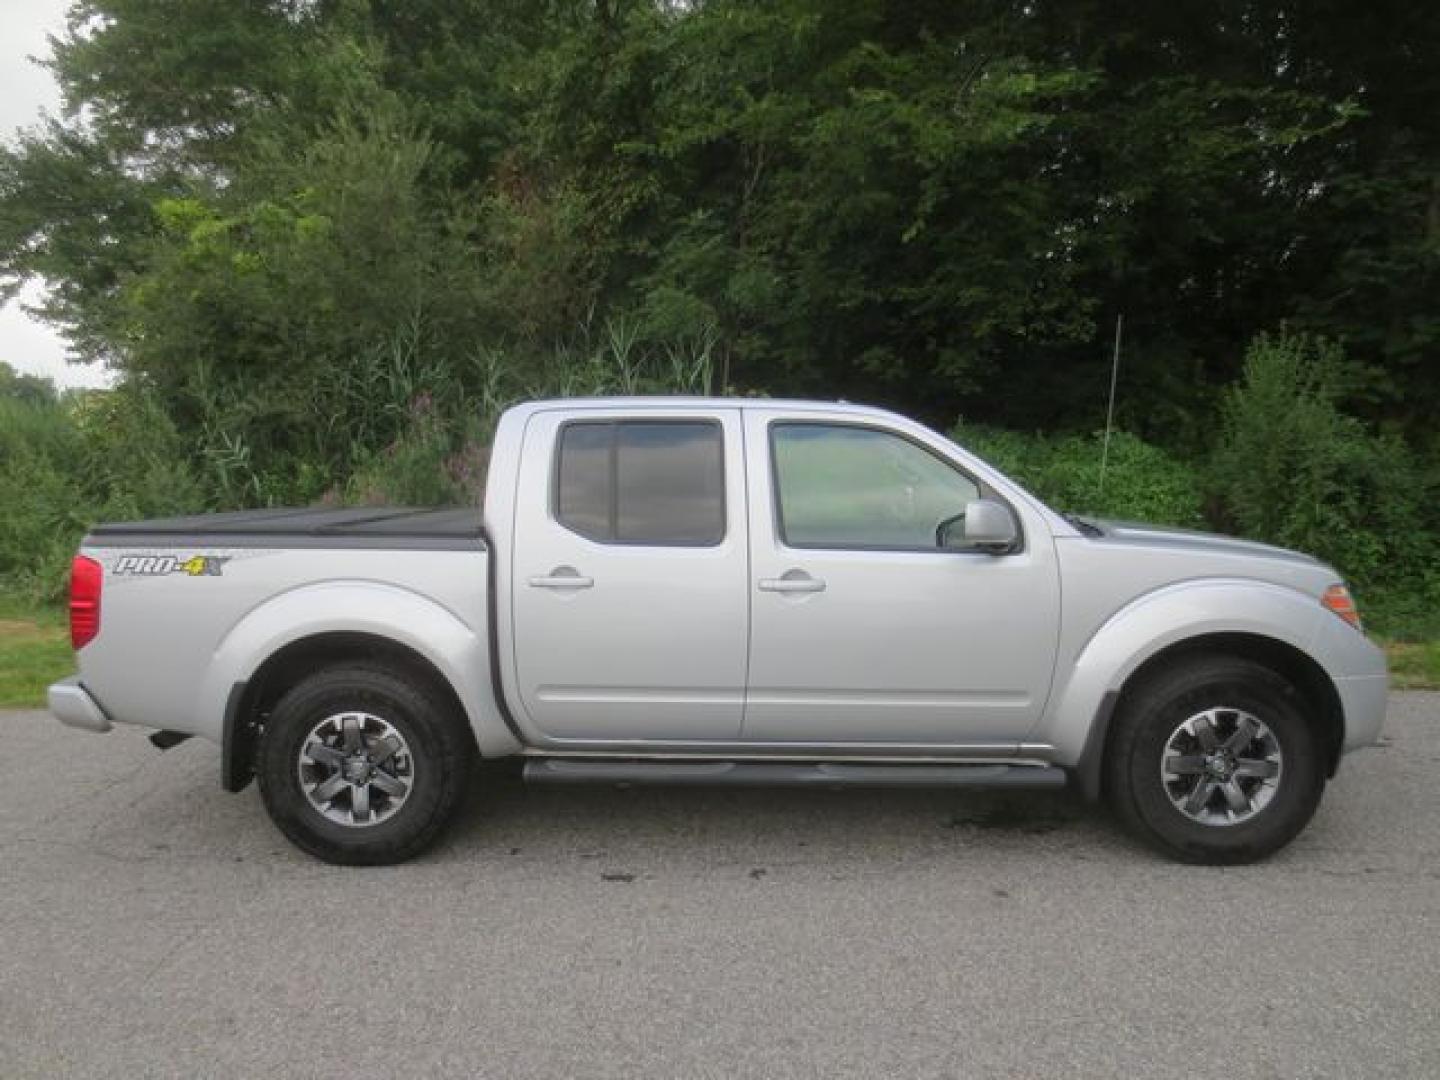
x=663, y=402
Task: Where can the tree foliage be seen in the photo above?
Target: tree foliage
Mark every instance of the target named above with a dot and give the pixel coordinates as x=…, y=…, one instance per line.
x=286, y=221
x=939, y=205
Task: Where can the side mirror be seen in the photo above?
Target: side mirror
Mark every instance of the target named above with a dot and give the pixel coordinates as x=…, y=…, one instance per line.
x=990, y=526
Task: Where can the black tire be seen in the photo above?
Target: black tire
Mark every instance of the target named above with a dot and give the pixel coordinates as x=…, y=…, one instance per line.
x=1147, y=718
x=438, y=751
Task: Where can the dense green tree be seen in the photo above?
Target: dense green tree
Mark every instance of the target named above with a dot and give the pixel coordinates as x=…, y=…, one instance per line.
x=942, y=205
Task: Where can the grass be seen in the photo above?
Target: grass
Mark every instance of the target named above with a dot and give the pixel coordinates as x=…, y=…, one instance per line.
x=34, y=652
x=1414, y=665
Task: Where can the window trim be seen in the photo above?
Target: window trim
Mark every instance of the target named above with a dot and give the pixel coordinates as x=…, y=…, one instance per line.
x=614, y=423
x=985, y=491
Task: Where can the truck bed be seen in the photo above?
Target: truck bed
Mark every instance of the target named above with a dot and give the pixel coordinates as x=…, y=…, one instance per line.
x=368, y=526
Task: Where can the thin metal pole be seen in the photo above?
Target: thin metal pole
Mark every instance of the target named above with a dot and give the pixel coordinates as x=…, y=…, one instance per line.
x=1110, y=409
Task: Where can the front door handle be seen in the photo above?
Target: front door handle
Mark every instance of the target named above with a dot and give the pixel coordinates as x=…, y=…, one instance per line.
x=562, y=577
x=792, y=581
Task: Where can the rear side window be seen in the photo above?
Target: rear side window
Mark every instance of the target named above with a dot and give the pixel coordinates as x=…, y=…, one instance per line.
x=657, y=482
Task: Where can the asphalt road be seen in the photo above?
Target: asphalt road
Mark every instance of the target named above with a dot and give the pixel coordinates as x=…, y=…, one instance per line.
x=151, y=925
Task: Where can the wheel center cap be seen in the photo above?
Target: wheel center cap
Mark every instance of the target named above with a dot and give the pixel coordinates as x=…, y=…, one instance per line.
x=1218, y=765
x=357, y=769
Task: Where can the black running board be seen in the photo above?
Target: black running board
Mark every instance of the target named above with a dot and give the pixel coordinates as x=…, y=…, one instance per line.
x=671, y=773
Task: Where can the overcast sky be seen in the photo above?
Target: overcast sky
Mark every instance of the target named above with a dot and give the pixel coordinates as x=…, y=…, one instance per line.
x=26, y=90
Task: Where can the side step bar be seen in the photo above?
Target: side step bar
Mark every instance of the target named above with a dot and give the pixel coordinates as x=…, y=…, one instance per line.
x=787, y=774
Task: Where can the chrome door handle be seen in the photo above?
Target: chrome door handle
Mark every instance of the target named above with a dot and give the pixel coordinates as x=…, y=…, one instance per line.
x=792, y=581
x=562, y=577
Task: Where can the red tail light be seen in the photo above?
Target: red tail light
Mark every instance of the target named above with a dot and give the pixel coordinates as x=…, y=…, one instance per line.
x=86, y=577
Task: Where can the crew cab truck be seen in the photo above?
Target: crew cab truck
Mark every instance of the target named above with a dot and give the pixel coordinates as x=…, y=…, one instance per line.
x=718, y=591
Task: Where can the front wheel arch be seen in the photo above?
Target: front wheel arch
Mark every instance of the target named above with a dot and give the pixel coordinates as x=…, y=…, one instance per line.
x=1309, y=679
x=1300, y=670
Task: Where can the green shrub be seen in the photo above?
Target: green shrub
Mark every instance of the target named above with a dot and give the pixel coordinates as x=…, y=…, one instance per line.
x=136, y=464
x=41, y=456
x=1140, y=482
x=1291, y=468
x=429, y=464
x=66, y=465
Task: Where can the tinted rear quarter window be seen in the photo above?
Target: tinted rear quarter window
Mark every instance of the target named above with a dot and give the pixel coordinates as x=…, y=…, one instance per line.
x=642, y=482
x=582, y=501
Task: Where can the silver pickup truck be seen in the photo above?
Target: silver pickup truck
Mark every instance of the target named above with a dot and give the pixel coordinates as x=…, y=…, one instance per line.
x=697, y=591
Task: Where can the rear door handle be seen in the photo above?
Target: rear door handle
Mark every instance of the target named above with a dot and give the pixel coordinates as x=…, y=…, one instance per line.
x=792, y=581
x=562, y=577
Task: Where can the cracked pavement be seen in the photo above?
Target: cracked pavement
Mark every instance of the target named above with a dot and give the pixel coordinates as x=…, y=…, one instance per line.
x=153, y=925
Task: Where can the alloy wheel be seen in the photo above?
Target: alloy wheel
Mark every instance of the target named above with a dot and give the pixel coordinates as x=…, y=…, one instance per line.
x=356, y=769
x=1221, y=766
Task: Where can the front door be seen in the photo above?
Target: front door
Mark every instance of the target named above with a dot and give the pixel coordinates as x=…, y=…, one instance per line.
x=864, y=629
x=630, y=604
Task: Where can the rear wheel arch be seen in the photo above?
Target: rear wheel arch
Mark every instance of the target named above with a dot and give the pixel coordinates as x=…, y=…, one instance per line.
x=252, y=700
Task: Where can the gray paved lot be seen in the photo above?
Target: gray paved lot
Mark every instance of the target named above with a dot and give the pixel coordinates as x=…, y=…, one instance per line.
x=152, y=926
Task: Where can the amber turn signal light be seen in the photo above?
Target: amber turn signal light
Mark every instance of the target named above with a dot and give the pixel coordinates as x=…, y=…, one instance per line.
x=1337, y=598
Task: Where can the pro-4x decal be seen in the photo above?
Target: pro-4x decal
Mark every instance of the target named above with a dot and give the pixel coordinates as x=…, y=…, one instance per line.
x=158, y=565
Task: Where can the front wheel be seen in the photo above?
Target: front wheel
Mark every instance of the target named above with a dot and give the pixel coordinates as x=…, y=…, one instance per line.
x=1212, y=760
x=363, y=765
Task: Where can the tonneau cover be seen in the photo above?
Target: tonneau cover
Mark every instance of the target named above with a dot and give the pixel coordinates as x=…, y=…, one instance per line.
x=366, y=526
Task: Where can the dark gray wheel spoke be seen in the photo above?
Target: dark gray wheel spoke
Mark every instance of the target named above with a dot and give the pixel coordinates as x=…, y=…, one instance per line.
x=1200, y=797
x=351, y=727
x=328, y=789
x=384, y=750
x=390, y=785
x=1251, y=767
x=1205, y=732
x=325, y=755
x=1185, y=764
x=1245, y=731
x=1234, y=797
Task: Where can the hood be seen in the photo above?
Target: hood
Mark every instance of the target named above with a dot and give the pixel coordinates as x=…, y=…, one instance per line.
x=1199, y=542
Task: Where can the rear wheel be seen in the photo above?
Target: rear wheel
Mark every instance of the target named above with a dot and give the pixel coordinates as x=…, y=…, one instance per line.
x=1212, y=760
x=363, y=765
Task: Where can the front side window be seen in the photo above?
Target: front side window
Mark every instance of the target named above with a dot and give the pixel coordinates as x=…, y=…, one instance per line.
x=841, y=486
x=658, y=482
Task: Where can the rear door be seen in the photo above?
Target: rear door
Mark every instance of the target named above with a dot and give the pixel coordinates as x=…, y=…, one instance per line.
x=630, y=601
